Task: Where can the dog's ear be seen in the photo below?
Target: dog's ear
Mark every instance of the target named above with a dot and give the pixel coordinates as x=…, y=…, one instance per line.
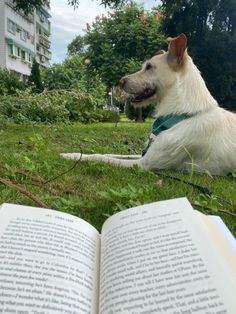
x=176, y=50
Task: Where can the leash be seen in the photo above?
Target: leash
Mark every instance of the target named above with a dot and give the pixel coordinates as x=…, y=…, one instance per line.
x=200, y=188
x=164, y=123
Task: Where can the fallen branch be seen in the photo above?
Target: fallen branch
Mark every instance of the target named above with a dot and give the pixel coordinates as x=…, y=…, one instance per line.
x=29, y=175
x=23, y=191
x=224, y=211
x=26, y=174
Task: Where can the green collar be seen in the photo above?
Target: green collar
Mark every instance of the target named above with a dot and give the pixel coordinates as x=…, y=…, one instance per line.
x=166, y=122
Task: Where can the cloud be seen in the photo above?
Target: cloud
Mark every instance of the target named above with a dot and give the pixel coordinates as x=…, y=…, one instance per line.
x=67, y=23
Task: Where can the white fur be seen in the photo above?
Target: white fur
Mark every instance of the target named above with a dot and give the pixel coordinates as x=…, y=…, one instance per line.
x=207, y=140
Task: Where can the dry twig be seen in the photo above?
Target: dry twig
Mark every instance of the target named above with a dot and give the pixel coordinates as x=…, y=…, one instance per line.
x=23, y=191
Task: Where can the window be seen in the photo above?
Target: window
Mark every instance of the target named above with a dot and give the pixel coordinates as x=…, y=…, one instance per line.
x=11, y=51
x=38, y=30
x=29, y=57
x=23, y=55
x=11, y=26
x=18, y=51
x=23, y=35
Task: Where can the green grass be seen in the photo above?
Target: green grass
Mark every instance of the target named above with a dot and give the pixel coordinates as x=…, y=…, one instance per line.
x=93, y=190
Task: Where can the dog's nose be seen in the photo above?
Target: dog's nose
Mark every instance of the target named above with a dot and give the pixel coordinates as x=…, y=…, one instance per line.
x=122, y=83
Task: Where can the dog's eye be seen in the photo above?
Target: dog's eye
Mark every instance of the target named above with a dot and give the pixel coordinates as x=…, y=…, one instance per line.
x=148, y=66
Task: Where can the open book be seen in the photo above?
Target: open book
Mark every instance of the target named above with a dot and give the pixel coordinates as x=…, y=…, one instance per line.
x=162, y=257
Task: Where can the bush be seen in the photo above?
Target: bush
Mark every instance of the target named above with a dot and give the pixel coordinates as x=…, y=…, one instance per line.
x=138, y=114
x=72, y=74
x=9, y=83
x=109, y=116
x=53, y=106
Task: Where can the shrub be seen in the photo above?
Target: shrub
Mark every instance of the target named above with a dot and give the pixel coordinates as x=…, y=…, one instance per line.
x=109, y=116
x=72, y=74
x=9, y=83
x=138, y=114
x=53, y=106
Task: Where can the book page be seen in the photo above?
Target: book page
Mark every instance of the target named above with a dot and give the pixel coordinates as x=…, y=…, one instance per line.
x=223, y=240
x=157, y=258
x=49, y=262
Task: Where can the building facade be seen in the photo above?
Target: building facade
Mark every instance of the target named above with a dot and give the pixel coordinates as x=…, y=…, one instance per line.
x=23, y=38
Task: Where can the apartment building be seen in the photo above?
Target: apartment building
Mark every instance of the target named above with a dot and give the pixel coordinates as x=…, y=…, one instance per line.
x=23, y=38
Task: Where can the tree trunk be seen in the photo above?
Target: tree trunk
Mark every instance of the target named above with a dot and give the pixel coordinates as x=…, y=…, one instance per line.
x=139, y=116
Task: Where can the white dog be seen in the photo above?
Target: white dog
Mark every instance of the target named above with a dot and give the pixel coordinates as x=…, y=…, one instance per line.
x=190, y=128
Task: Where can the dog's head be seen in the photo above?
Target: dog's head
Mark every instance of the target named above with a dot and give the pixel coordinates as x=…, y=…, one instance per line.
x=148, y=85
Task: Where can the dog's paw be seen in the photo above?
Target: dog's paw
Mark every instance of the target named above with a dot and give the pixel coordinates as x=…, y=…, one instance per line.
x=75, y=156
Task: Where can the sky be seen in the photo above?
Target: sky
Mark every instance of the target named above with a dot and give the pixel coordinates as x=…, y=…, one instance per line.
x=67, y=23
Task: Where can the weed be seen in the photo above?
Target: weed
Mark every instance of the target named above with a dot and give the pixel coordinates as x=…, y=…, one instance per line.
x=126, y=197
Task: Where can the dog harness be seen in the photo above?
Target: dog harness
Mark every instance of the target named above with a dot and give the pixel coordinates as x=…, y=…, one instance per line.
x=164, y=123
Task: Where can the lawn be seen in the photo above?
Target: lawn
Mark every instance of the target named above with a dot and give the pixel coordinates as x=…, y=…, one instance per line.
x=30, y=160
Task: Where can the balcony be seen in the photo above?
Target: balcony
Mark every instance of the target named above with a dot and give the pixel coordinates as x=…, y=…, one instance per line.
x=44, y=41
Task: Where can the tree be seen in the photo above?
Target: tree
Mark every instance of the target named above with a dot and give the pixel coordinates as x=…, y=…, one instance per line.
x=113, y=42
x=192, y=16
x=211, y=29
x=28, y=6
x=35, y=78
x=119, y=43
x=77, y=46
x=71, y=74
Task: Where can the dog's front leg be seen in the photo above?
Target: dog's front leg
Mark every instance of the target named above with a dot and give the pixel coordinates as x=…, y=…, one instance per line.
x=166, y=152
x=116, y=160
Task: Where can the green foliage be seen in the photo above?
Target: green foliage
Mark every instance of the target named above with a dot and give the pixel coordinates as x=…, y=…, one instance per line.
x=129, y=35
x=211, y=29
x=64, y=99
x=51, y=107
x=35, y=78
x=76, y=47
x=9, y=83
x=218, y=66
x=138, y=114
x=71, y=74
x=133, y=65
x=110, y=116
x=126, y=197
x=233, y=173
x=208, y=202
x=27, y=6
